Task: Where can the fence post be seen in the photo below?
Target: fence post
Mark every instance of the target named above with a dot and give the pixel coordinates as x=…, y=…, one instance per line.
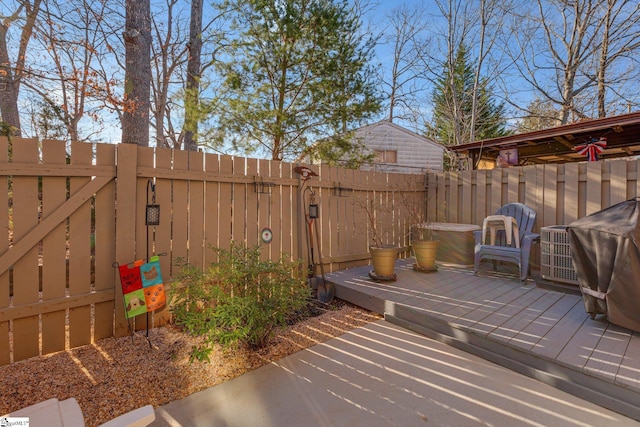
x=126, y=171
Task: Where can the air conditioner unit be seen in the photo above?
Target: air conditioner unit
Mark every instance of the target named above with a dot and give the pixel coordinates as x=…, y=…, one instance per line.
x=556, y=263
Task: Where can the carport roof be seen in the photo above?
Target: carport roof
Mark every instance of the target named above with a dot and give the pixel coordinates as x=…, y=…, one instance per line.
x=557, y=145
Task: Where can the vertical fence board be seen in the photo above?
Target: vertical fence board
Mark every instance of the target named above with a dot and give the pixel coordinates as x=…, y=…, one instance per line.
x=405, y=196
x=530, y=194
x=384, y=209
x=393, y=211
x=513, y=185
x=263, y=207
x=594, y=187
x=25, y=271
x=358, y=221
x=550, y=196
x=442, y=210
x=161, y=234
x=291, y=218
x=341, y=227
x=631, y=179
x=54, y=249
x=274, y=216
x=432, y=193
x=144, y=237
x=144, y=187
x=180, y=206
x=239, y=201
x=251, y=209
x=480, y=207
x=496, y=191
x=571, y=203
x=330, y=216
x=80, y=251
x=105, y=251
x=226, y=203
x=196, y=222
x=466, y=211
x=164, y=159
x=211, y=208
x=324, y=198
x=453, y=204
x=618, y=191
x=5, y=296
x=127, y=158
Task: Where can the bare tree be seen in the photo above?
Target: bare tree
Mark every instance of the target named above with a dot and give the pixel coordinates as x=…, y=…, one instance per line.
x=11, y=72
x=490, y=15
x=169, y=56
x=406, y=80
x=572, y=52
x=137, y=39
x=66, y=82
x=620, y=45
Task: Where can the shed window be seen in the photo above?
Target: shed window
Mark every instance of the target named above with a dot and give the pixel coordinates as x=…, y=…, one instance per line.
x=386, y=156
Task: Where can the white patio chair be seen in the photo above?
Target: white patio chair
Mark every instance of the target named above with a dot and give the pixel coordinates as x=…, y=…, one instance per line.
x=511, y=218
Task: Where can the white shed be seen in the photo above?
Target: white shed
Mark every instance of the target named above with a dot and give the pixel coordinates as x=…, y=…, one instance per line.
x=399, y=150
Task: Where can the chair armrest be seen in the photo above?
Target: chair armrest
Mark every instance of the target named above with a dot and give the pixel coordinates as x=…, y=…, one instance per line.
x=477, y=235
x=140, y=417
x=529, y=238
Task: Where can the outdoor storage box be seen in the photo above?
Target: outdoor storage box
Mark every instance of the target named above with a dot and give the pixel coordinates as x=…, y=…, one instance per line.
x=455, y=242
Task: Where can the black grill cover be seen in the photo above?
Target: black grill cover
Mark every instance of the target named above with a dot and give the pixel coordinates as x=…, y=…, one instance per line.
x=606, y=257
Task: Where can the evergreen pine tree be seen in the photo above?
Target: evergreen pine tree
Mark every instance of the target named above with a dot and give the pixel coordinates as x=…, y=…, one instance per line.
x=453, y=102
x=300, y=71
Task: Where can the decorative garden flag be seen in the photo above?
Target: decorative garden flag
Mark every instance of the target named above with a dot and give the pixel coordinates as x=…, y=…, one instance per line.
x=142, y=287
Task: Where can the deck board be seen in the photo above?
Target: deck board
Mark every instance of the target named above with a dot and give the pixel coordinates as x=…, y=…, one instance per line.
x=629, y=371
x=506, y=306
x=581, y=346
x=519, y=315
x=529, y=315
x=532, y=334
x=609, y=353
x=554, y=341
x=488, y=305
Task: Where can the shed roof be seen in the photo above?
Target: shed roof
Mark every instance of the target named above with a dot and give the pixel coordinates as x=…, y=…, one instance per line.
x=395, y=127
x=558, y=144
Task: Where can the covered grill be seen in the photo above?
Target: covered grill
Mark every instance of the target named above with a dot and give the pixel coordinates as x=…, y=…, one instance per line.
x=606, y=257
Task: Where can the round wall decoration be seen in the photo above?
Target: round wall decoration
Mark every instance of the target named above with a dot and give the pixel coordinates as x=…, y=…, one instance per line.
x=266, y=235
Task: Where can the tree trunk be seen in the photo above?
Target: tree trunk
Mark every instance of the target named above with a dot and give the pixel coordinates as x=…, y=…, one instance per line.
x=137, y=89
x=8, y=87
x=10, y=76
x=191, y=112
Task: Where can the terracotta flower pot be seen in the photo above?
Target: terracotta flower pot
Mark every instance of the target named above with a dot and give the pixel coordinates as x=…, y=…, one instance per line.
x=425, y=253
x=383, y=260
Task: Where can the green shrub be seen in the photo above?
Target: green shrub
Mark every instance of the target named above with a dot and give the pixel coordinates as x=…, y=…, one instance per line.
x=241, y=299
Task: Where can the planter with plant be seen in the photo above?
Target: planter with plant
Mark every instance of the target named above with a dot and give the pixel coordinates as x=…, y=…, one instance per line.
x=421, y=239
x=383, y=256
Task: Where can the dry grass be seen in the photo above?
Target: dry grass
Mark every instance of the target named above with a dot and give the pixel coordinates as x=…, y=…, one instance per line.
x=116, y=375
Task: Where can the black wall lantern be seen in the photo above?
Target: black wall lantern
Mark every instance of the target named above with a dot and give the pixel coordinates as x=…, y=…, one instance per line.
x=152, y=216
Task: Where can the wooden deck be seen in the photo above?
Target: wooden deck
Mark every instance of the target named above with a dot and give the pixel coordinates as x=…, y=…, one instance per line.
x=542, y=333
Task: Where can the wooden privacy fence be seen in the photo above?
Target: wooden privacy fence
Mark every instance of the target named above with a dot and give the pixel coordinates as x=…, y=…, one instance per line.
x=74, y=212
x=560, y=193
